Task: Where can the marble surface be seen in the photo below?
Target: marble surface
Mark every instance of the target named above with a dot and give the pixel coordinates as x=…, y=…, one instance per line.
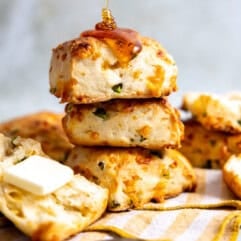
x=203, y=36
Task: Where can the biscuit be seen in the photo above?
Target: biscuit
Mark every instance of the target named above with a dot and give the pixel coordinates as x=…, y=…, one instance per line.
x=232, y=174
x=151, y=123
x=85, y=70
x=215, y=112
x=134, y=176
x=204, y=148
x=55, y=216
x=45, y=127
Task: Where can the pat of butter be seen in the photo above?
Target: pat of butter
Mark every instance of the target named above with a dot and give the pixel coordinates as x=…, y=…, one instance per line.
x=38, y=175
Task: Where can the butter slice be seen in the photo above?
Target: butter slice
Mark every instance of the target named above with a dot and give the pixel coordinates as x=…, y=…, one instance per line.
x=38, y=175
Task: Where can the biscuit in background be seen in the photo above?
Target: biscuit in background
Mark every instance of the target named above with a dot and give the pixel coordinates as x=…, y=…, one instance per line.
x=202, y=147
x=148, y=123
x=134, y=176
x=207, y=148
x=215, y=112
x=45, y=127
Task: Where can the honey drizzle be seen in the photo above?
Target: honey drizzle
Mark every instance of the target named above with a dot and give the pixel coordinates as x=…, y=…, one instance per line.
x=108, y=21
x=125, y=43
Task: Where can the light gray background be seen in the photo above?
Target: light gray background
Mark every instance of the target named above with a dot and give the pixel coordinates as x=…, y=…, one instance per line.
x=203, y=36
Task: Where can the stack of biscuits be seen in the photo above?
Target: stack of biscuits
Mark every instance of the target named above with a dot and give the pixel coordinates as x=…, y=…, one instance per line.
x=213, y=133
x=119, y=119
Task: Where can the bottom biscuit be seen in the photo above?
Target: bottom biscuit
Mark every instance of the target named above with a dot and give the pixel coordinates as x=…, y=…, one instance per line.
x=134, y=176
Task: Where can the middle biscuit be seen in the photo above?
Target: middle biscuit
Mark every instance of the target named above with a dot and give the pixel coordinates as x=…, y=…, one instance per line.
x=148, y=123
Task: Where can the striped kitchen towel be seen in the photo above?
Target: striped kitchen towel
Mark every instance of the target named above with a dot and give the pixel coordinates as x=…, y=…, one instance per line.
x=178, y=225
x=210, y=213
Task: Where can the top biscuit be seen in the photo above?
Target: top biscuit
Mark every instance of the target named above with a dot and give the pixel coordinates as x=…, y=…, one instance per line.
x=215, y=112
x=86, y=70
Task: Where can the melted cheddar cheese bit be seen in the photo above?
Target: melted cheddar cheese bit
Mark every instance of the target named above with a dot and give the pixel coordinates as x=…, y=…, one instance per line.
x=38, y=175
